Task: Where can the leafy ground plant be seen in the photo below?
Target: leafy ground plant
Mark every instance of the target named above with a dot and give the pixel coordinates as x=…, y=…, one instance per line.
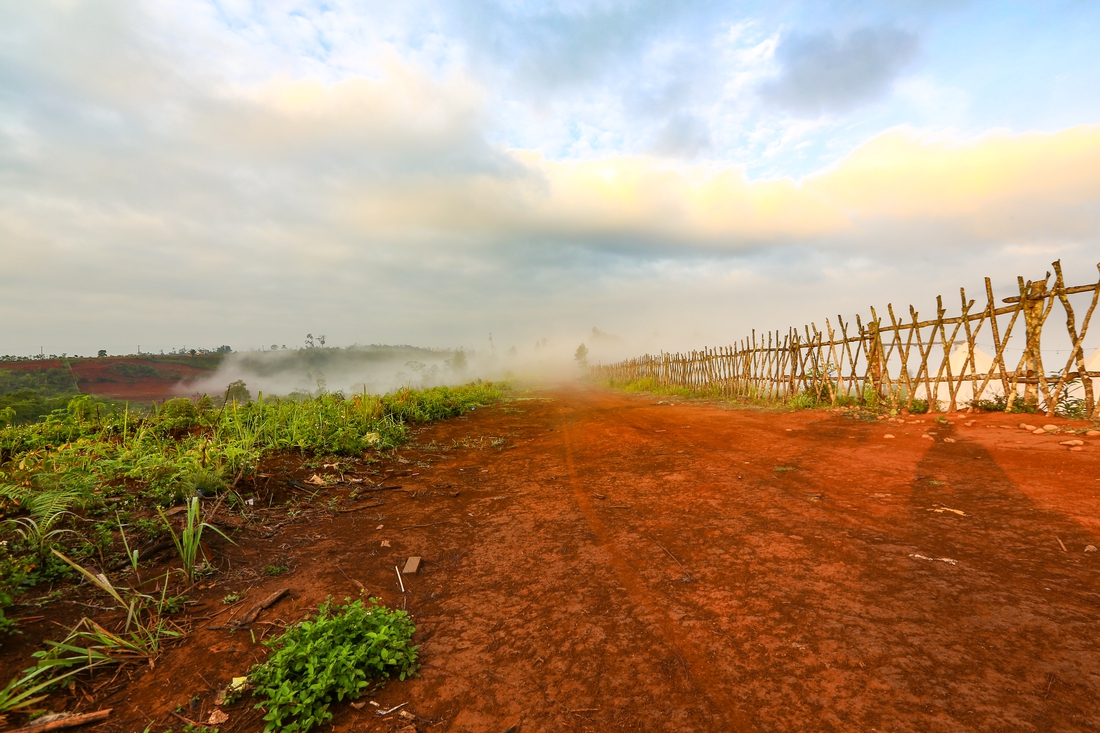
x=329, y=657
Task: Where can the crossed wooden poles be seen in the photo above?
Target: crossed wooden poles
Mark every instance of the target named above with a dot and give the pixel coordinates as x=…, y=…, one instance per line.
x=899, y=362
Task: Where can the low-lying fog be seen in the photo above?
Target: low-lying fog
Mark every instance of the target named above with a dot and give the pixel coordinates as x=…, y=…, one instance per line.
x=383, y=369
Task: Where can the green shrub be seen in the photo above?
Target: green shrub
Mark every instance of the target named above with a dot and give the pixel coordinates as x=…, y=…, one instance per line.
x=181, y=410
x=28, y=405
x=133, y=371
x=329, y=657
x=806, y=401
x=44, y=382
x=999, y=403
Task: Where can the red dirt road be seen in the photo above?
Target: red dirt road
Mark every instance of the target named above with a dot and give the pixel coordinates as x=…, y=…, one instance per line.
x=622, y=565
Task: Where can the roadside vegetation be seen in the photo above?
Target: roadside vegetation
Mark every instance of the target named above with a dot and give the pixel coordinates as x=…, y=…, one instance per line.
x=1070, y=404
x=82, y=489
x=28, y=394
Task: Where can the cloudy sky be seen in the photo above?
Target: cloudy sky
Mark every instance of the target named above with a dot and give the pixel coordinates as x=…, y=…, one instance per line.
x=189, y=173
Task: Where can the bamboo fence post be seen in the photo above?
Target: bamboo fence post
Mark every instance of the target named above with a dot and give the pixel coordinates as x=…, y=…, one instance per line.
x=833, y=361
x=971, y=340
x=1076, y=353
x=853, y=358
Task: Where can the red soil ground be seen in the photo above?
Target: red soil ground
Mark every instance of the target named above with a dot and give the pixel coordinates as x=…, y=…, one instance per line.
x=619, y=564
x=95, y=377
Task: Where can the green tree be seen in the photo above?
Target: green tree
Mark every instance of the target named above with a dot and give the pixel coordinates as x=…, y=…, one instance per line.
x=237, y=392
x=581, y=356
x=457, y=363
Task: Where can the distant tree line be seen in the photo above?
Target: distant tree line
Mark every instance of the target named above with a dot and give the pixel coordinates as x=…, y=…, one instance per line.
x=182, y=351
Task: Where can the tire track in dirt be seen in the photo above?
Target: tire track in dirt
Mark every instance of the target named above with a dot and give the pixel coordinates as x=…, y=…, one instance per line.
x=697, y=668
x=869, y=567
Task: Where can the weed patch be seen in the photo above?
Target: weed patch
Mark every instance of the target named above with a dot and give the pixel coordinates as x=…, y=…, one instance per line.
x=329, y=657
x=90, y=459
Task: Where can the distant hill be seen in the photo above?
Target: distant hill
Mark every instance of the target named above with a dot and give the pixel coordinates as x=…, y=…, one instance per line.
x=34, y=388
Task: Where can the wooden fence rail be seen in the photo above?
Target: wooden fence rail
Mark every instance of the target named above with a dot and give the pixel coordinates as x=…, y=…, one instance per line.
x=931, y=363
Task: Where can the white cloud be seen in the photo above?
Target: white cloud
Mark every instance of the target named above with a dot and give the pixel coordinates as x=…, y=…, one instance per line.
x=230, y=178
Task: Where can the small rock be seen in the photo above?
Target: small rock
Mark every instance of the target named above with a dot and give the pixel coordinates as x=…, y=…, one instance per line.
x=1038, y=431
x=1092, y=434
x=888, y=436
x=1072, y=442
x=929, y=437
x=217, y=717
x=948, y=440
x=1090, y=548
x=969, y=423
x=1076, y=449
x=1050, y=428
x=385, y=543
x=1030, y=428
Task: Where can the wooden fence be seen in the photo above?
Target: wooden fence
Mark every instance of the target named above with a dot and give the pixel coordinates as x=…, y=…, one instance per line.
x=935, y=364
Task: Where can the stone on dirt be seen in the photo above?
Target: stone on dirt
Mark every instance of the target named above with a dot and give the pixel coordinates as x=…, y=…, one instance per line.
x=412, y=565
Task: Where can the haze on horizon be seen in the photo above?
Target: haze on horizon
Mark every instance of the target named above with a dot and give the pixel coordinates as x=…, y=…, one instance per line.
x=430, y=173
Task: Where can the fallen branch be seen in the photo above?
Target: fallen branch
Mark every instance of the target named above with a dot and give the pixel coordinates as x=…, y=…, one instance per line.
x=396, y=707
x=185, y=720
x=213, y=616
x=253, y=612
x=418, y=526
x=69, y=721
x=360, y=508
x=668, y=553
x=351, y=580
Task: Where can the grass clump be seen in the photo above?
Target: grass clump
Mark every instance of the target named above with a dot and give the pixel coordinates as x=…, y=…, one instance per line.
x=652, y=386
x=329, y=657
x=189, y=541
x=90, y=646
